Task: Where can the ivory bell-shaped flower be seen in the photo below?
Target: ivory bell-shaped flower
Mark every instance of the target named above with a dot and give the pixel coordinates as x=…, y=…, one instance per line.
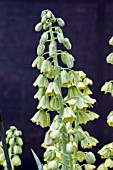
x=41, y=81
x=107, y=87
x=40, y=49
x=46, y=66
x=111, y=41
x=89, y=167
x=109, y=163
x=90, y=158
x=109, y=58
x=47, y=141
x=106, y=151
x=52, y=48
x=49, y=155
x=64, y=77
x=44, y=37
x=55, y=103
x=87, y=81
x=87, y=91
x=74, y=77
x=67, y=44
x=81, y=85
x=38, y=62
x=56, y=124
x=80, y=156
x=53, y=89
x=40, y=93
x=73, y=92
x=45, y=167
x=2, y=158
x=102, y=167
x=69, y=148
x=110, y=119
x=77, y=167
x=16, y=160
x=82, y=74
x=89, y=141
x=55, y=135
x=41, y=118
x=44, y=103
x=53, y=165
x=80, y=103
x=79, y=134
x=67, y=59
x=68, y=115
x=84, y=117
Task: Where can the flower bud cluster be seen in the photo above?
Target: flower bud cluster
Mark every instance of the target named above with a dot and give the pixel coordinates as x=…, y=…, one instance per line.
x=14, y=143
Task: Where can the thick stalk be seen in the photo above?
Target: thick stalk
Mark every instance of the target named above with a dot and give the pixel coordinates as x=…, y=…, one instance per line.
x=76, y=140
x=71, y=162
x=64, y=140
x=64, y=158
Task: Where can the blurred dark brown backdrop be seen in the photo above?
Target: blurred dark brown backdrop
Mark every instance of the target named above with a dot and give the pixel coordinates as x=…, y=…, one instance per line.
x=89, y=25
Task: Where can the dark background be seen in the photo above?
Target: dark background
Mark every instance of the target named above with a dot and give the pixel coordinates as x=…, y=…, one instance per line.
x=89, y=25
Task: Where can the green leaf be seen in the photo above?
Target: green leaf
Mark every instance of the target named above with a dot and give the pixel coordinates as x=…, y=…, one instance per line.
x=37, y=160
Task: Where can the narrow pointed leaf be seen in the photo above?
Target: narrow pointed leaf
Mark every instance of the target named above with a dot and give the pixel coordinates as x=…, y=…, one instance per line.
x=37, y=160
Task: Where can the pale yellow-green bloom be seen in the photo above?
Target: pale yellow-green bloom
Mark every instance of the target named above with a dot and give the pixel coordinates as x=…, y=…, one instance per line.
x=84, y=117
x=110, y=119
x=79, y=134
x=55, y=103
x=46, y=66
x=102, y=167
x=41, y=118
x=80, y=156
x=109, y=163
x=40, y=93
x=89, y=141
x=81, y=85
x=109, y=58
x=44, y=103
x=87, y=91
x=68, y=115
x=89, y=167
x=41, y=81
x=82, y=74
x=69, y=148
x=64, y=77
x=107, y=87
x=53, y=89
x=87, y=81
x=111, y=41
x=53, y=165
x=90, y=158
x=55, y=135
x=16, y=161
x=104, y=152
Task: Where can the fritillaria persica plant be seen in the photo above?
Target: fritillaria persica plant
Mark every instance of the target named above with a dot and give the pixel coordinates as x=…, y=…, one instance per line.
x=14, y=143
x=107, y=151
x=65, y=140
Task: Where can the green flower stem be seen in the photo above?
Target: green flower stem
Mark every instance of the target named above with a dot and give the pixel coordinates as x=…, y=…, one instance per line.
x=64, y=164
x=64, y=141
x=76, y=127
x=71, y=162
